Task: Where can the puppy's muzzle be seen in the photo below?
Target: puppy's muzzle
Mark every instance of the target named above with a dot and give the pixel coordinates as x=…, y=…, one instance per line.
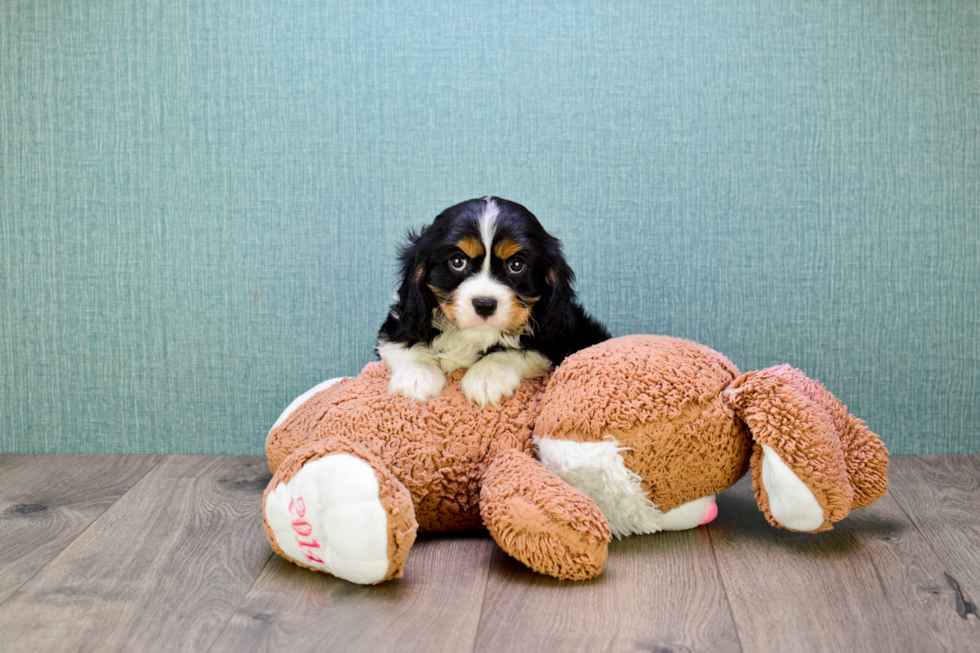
x=484, y=306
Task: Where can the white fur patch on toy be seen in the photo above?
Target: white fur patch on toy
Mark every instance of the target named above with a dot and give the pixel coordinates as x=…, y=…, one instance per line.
x=597, y=470
x=790, y=500
x=691, y=515
x=300, y=400
x=329, y=516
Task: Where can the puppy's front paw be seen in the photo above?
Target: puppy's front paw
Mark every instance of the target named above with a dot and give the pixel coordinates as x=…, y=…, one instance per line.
x=488, y=383
x=417, y=381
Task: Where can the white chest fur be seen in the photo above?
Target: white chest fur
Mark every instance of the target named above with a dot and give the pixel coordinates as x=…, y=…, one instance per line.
x=456, y=348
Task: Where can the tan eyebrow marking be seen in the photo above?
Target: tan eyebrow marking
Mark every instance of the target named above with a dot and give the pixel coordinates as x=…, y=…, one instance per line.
x=505, y=249
x=470, y=246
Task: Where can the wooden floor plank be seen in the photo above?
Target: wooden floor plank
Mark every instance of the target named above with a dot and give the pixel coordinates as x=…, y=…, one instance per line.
x=657, y=592
x=172, y=564
x=871, y=584
x=47, y=500
x=434, y=607
x=941, y=495
x=162, y=569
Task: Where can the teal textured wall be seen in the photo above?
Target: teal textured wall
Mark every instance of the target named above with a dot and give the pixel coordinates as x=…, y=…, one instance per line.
x=200, y=202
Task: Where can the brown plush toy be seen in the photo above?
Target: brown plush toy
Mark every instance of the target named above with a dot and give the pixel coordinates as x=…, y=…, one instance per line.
x=634, y=435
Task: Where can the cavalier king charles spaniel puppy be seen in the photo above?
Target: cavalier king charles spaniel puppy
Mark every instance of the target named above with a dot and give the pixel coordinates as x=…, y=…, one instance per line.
x=483, y=287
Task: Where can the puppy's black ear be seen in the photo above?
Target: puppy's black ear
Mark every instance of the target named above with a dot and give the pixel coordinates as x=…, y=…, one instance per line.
x=556, y=316
x=414, y=299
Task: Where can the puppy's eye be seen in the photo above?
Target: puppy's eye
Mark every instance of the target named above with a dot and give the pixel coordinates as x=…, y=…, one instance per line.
x=515, y=266
x=458, y=262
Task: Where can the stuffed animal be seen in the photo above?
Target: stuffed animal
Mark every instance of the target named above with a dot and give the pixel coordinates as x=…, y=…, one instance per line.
x=633, y=435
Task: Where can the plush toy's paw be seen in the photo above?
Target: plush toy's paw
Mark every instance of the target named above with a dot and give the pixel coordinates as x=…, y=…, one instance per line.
x=330, y=516
x=489, y=381
x=791, y=503
x=542, y=521
x=417, y=381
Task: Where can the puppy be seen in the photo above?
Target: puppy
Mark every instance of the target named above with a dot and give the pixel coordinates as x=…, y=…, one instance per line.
x=483, y=287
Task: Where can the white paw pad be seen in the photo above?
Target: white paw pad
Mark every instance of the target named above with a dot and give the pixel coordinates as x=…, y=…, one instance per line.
x=329, y=516
x=417, y=381
x=791, y=502
x=488, y=383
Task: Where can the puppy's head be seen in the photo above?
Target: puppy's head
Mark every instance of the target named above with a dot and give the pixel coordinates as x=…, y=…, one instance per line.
x=484, y=264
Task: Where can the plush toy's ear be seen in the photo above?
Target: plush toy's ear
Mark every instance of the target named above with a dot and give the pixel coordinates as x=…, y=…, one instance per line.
x=812, y=462
x=415, y=301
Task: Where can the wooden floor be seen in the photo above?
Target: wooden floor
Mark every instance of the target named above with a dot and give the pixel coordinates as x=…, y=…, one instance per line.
x=105, y=553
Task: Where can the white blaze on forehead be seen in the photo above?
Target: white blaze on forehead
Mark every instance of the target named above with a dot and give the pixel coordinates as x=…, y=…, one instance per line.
x=488, y=225
x=482, y=283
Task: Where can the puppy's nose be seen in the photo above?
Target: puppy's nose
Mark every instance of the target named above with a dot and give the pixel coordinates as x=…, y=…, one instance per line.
x=484, y=306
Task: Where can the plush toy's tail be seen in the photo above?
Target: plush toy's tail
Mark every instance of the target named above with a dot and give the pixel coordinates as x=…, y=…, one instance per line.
x=801, y=430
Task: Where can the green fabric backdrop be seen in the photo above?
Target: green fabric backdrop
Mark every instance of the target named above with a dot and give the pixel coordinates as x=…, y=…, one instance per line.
x=200, y=201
